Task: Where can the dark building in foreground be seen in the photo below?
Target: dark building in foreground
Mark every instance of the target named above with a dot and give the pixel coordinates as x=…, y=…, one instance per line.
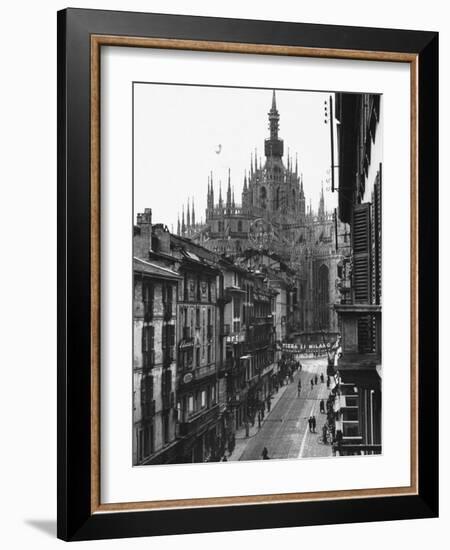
x=357, y=397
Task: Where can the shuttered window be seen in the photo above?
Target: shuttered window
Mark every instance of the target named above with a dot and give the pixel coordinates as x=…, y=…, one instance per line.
x=148, y=294
x=361, y=253
x=148, y=343
x=147, y=402
x=377, y=239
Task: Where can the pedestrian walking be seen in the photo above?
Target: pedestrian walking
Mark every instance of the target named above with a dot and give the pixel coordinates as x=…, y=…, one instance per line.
x=313, y=423
x=315, y=379
x=310, y=423
x=328, y=381
x=312, y=383
x=265, y=454
x=299, y=388
x=322, y=379
x=324, y=434
x=322, y=406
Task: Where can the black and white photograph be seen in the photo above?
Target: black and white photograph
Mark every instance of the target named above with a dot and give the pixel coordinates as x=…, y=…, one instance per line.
x=256, y=274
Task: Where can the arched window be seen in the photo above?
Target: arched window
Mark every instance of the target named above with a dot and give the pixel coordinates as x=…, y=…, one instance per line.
x=239, y=226
x=263, y=196
x=277, y=199
x=323, y=297
x=293, y=197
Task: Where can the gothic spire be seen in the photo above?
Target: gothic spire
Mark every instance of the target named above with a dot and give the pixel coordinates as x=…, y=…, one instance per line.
x=274, y=118
x=229, y=189
x=322, y=204
x=212, y=191
x=193, y=213
x=220, y=194
x=188, y=215
x=183, y=226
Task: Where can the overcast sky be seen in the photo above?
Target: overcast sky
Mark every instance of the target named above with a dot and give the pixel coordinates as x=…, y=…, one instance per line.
x=178, y=129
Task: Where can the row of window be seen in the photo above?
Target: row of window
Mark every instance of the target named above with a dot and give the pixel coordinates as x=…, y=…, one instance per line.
x=199, y=319
x=196, y=401
x=148, y=299
x=148, y=408
x=202, y=354
x=167, y=344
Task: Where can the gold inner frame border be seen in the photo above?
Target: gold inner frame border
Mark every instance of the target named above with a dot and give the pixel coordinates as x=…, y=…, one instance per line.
x=97, y=41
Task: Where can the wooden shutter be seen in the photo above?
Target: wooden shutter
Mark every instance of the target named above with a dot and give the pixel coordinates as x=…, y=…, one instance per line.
x=377, y=223
x=148, y=294
x=361, y=253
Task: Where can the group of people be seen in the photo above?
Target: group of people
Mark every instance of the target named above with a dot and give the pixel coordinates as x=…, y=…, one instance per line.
x=312, y=423
x=313, y=383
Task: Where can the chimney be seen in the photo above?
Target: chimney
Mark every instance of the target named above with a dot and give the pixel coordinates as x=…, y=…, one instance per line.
x=142, y=241
x=161, y=235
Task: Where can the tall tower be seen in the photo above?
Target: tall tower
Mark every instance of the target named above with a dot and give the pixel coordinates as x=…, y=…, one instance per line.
x=273, y=147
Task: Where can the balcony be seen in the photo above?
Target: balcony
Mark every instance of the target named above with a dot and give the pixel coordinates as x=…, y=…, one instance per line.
x=198, y=420
x=361, y=331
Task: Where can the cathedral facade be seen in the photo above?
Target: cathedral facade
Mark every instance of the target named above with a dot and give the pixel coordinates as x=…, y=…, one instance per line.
x=272, y=217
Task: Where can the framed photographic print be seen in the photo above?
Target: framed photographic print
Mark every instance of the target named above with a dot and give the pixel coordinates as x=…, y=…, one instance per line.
x=247, y=274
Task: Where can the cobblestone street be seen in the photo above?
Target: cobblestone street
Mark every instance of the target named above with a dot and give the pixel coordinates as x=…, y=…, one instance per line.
x=285, y=431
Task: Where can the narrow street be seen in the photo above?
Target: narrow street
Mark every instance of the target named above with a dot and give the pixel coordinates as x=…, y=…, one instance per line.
x=285, y=431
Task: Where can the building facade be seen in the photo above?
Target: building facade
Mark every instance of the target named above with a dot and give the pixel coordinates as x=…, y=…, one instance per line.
x=200, y=428
x=357, y=403
x=154, y=366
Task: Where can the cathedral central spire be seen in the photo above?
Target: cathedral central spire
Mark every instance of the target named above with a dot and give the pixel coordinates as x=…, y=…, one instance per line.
x=274, y=119
x=273, y=147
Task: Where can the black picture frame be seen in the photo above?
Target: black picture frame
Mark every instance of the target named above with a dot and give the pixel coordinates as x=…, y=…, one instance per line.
x=75, y=518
